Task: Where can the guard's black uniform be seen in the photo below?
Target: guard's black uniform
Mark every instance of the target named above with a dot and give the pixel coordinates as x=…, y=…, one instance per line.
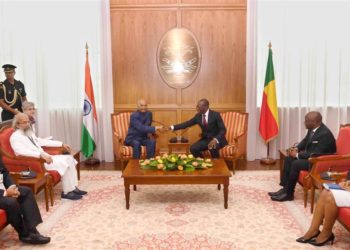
x=12, y=95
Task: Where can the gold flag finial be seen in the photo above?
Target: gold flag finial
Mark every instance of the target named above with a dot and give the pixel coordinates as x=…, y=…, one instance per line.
x=87, y=48
x=270, y=45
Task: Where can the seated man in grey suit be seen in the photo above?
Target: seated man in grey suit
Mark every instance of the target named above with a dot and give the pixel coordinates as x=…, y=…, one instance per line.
x=213, y=130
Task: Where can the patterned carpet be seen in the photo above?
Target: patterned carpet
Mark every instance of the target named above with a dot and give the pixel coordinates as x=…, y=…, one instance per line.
x=175, y=217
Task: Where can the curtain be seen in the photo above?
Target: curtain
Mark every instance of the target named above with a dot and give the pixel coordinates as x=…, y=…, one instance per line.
x=311, y=56
x=46, y=41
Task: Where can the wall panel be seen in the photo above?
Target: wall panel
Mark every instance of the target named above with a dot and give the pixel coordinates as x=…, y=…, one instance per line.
x=138, y=26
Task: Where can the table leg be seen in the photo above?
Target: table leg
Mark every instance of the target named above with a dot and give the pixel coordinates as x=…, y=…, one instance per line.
x=312, y=198
x=225, y=195
x=219, y=186
x=46, y=190
x=127, y=195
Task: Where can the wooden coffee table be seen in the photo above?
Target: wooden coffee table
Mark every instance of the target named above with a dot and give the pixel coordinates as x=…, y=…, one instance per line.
x=134, y=175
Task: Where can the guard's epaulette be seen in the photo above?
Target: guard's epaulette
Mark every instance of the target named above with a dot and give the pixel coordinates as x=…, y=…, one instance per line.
x=1, y=83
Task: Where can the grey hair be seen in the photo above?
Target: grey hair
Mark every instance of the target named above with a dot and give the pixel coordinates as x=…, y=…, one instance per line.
x=27, y=105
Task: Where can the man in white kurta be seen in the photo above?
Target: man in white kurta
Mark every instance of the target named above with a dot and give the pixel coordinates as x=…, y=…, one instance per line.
x=24, y=142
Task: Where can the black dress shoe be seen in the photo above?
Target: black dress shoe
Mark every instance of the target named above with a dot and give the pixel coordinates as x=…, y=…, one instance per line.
x=279, y=192
x=35, y=239
x=79, y=192
x=283, y=197
x=71, y=196
x=303, y=240
x=320, y=244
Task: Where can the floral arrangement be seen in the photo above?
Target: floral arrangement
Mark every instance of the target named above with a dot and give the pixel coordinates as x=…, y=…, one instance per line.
x=181, y=162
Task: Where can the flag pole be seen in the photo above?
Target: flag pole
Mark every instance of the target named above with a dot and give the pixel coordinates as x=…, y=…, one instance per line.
x=268, y=160
x=91, y=160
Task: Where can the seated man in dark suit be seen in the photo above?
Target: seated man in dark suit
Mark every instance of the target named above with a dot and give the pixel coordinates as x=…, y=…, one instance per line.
x=318, y=140
x=139, y=131
x=213, y=130
x=21, y=209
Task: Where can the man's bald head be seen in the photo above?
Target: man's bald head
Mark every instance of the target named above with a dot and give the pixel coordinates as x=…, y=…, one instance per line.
x=142, y=105
x=313, y=120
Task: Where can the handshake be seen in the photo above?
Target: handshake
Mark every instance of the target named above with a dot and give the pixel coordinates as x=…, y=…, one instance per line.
x=162, y=128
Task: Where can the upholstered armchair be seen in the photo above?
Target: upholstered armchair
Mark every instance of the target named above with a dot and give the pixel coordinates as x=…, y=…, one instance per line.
x=21, y=163
x=120, y=125
x=236, y=124
x=340, y=161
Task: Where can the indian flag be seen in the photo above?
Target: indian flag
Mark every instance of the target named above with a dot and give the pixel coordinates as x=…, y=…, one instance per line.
x=89, y=130
x=269, y=113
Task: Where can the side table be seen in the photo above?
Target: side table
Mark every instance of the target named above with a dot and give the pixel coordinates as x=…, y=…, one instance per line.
x=179, y=147
x=35, y=184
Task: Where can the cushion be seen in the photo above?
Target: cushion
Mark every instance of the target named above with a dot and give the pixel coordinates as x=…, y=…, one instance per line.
x=126, y=151
x=302, y=175
x=56, y=177
x=344, y=215
x=3, y=219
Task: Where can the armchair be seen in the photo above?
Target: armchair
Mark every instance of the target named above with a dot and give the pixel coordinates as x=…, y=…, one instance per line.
x=340, y=161
x=20, y=163
x=236, y=134
x=120, y=125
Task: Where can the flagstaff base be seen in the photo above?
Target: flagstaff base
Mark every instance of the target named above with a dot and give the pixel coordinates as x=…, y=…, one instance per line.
x=268, y=161
x=92, y=161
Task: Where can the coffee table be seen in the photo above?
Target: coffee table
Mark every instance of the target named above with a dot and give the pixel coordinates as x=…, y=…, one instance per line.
x=134, y=175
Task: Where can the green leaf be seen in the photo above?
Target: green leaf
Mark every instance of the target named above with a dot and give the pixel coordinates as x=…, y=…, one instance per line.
x=149, y=167
x=189, y=169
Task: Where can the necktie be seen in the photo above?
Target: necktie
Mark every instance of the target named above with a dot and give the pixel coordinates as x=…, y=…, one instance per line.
x=204, y=121
x=310, y=137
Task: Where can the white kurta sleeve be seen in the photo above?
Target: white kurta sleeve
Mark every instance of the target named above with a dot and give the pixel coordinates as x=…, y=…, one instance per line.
x=20, y=146
x=47, y=143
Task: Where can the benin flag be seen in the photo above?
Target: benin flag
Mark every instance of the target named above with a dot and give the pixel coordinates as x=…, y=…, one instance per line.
x=89, y=130
x=269, y=114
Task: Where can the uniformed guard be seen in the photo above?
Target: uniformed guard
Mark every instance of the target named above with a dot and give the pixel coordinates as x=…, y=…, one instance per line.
x=12, y=94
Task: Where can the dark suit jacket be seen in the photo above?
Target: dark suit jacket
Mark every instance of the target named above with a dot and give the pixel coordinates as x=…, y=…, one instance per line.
x=140, y=126
x=322, y=142
x=7, y=180
x=215, y=127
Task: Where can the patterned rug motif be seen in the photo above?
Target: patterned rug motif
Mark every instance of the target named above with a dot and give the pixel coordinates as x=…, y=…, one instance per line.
x=175, y=217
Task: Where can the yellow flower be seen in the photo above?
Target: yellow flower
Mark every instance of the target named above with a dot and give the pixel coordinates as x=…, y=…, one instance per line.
x=173, y=159
x=190, y=156
x=160, y=166
x=158, y=157
x=195, y=164
x=165, y=155
x=180, y=167
x=207, y=160
x=183, y=156
x=146, y=162
x=160, y=161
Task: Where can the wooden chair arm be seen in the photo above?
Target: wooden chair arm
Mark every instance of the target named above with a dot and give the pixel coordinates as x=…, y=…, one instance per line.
x=117, y=137
x=331, y=159
x=240, y=143
x=324, y=158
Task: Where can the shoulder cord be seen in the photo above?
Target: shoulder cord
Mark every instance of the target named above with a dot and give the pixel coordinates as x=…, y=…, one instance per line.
x=15, y=93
